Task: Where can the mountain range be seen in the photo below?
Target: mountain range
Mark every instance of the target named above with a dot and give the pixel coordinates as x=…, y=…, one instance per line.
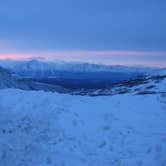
x=75, y=78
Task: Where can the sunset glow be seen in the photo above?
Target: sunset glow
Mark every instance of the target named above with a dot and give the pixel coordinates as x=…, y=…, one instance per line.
x=150, y=58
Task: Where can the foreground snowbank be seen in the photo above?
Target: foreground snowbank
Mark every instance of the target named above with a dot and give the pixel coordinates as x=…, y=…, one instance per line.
x=42, y=128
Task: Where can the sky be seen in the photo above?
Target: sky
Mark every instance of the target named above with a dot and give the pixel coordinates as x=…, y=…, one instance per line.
x=124, y=32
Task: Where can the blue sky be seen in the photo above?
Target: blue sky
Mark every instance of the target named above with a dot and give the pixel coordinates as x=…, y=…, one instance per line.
x=28, y=26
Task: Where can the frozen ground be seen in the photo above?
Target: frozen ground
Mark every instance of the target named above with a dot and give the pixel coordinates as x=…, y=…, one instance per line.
x=51, y=129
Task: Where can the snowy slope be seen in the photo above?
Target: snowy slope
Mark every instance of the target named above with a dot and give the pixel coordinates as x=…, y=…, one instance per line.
x=152, y=84
x=8, y=80
x=62, y=130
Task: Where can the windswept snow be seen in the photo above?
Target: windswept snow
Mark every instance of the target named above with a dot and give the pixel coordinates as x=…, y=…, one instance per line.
x=44, y=128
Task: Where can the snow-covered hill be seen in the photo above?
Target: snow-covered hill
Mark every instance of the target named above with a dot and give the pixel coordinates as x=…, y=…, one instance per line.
x=148, y=84
x=42, y=68
x=154, y=84
x=45, y=128
x=8, y=80
x=72, y=75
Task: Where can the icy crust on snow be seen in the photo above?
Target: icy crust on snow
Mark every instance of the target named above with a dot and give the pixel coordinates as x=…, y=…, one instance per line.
x=44, y=128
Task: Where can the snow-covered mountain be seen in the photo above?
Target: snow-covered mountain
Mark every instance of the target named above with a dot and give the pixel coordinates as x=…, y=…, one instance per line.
x=8, y=80
x=45, y=128
x=72, y=75
x=13, y=77
x=41, y=68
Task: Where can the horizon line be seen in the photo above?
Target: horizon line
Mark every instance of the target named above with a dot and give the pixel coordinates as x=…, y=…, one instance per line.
x=65, y=53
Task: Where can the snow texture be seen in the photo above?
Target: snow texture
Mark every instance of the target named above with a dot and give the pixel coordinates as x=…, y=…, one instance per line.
x=40, y=128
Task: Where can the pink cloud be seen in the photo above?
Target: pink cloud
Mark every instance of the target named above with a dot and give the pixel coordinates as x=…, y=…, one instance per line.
x=14, y=56
x=52, y=54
